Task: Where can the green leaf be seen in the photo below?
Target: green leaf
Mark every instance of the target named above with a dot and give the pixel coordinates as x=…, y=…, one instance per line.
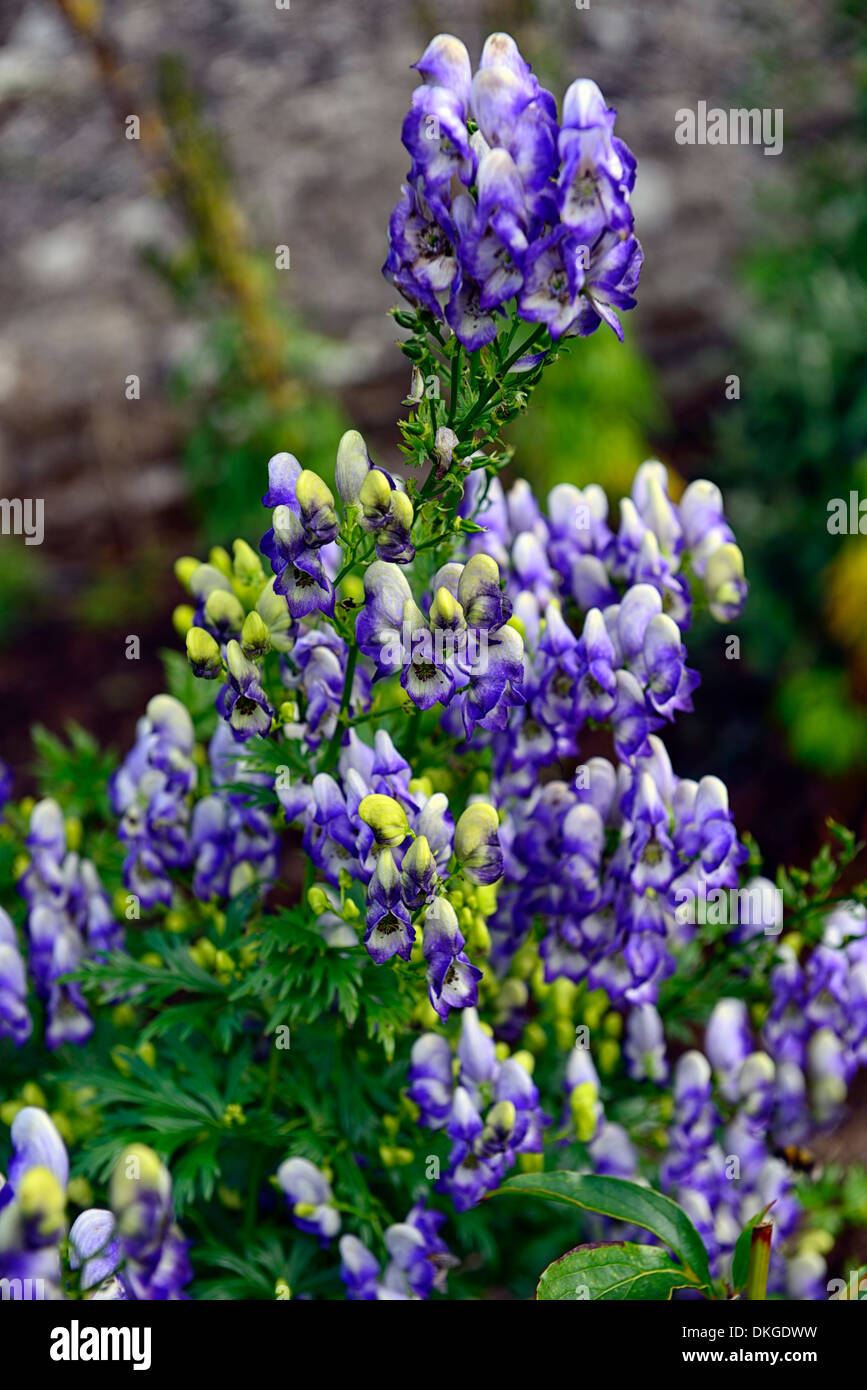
x=618, y=1271
x=624, y=1201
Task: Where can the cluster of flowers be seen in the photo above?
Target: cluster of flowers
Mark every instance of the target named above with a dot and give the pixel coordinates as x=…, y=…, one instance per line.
x=542, y=215
x=300, y=543
x=490, y=1109
x=816, y=1027
x=69, y=917
x=605, y=863
x=228, y=843
x=463, y=655
x=625, y=663
x=238, y=617
x=722, y=1174
x=731, y=1108
x=132, y=1252
x=419, y=1259
x=397, y=837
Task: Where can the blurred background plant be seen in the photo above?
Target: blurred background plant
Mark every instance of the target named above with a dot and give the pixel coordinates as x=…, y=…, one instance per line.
x=799, y=438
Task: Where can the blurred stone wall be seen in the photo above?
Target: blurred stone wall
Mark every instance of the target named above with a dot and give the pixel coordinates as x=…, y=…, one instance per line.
x=309, y=102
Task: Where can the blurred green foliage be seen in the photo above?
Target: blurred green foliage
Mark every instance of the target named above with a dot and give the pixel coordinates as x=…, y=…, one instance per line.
x=592, y=417
x=798, y=437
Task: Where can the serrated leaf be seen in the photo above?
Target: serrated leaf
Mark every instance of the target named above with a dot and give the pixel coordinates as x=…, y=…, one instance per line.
x=618, y=1271
x=623, y=1201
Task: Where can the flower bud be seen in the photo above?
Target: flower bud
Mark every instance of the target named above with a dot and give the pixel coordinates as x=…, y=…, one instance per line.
x=185, y=567
x=477, y=843
x=375, y=496
x=42, y=1202
x=499, y=1124
x=224, y=612
x=246, y=565
x=353, y=466
x=386, y=818
x=183, y=618
x=139, y=1172
x=219, y=557
x=445, y=611
x=205, y=579
x=203, y=654
x=583, y=1102
x=725, y=583
x=255, y=637
x=240, y=667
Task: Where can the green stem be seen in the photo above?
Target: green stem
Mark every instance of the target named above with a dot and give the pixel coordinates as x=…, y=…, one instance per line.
x=760, y=1259
x=376, y=714
x=351, y=564
x=457, y=362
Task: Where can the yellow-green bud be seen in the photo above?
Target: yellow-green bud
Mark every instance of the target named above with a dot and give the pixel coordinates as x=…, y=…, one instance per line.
x=352, y=467
x=255, y=637
x=724, y=578
x=219, y=557
x=500, y=1122
x=41, y=1198
x=317, y=900
x=401, y=510
x=423, y=785
x=183, y=618
x=477, y=845
x=184, y=568
x=526, y=1059
x=312, y=493
x=203, y=652
x=74, y=830
x=531, y=1163
x=582, y=1103
x=386, y=818
x=223, y=610
x=240, y=667
x=139, y=1170
x=374, y=494
x=246, y=565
